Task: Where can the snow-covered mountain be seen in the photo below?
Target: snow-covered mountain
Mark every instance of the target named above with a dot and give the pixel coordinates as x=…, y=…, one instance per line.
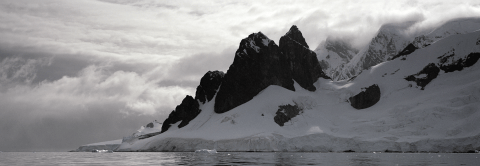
x=333, y=54
x=453, y=27
x=426, y=100
x=390, y=41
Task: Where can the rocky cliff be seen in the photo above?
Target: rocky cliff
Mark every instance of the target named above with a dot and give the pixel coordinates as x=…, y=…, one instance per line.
x=259, y=63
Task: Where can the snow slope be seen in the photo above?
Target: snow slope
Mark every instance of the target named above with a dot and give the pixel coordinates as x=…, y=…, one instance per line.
x=390, y=40
x=334, y=54
x=442, y=117
x=453, y=27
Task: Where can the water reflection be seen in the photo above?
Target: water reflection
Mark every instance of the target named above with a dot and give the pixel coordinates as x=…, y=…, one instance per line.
x=236, y=158
x=364, y=159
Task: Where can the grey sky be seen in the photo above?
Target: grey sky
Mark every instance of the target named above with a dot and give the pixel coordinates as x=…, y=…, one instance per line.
x=85, y=71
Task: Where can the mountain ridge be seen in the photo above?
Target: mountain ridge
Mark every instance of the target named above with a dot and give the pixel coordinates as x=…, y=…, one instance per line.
x=390, y=41
x=404, y=103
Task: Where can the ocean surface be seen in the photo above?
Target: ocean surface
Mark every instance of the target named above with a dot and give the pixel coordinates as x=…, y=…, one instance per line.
x=235, y=158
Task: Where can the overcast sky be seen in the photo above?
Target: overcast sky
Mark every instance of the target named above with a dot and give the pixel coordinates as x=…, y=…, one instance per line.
x=83, y=71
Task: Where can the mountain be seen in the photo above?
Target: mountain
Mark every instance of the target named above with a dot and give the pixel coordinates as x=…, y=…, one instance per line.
x=425, y=101
x=390, y=42
x=452, y=27
x=260, y=63
x=333, y=54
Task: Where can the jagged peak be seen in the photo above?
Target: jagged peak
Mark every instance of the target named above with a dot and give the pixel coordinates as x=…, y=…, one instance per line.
x=255, y=37
x=259, y=35
x=254, y=41
x=295, y=35
x=211, y=74
x=293, y=29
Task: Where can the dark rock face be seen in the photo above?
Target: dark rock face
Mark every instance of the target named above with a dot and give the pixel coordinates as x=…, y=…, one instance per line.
x=189, y=108
x=209, y=85
x=149, y=125
x=449, y=64
x=406, y=51
x=301, y=63
x=367, y=98
x=285, y=113
x=259, y=63
x=430, y=71
x=185, y=112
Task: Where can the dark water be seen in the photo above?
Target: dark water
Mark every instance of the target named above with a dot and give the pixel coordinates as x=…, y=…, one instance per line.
x=227, y=158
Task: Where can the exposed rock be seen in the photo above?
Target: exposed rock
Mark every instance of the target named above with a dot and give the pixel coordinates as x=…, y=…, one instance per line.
x=149, y=125
x=209, y=85
x=285, y=113
x=449, y=64
x=302, y=63
x=185, y=112
x=367, y=98
x=406, y=51
x=189, y=108
x=425, y=76
x=259, y=63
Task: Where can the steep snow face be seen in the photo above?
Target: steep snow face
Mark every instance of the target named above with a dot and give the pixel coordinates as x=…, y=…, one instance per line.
x=389, y=41
x=333, y=54
x=441, y=117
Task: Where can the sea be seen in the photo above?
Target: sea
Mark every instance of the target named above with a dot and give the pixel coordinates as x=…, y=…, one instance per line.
x=236, y=158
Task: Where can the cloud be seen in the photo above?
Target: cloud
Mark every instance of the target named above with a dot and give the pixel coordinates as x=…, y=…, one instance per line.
x=193, y=67
x=103, y=106
x=16, y=70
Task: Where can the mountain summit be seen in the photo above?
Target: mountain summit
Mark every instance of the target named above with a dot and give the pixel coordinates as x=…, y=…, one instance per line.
x=259, y=63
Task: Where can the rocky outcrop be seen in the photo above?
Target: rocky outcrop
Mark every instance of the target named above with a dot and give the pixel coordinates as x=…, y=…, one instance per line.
x=259, y=63
x=149, y=125
x=450, y=64
x=425, y=76
x=301, y=63
x=189, y=108
x=367, y=98
x=285, y=113
x=406, y=51
x=209, y=85
x=185, y=112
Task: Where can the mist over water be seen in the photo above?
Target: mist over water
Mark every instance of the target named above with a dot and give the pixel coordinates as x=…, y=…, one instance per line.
x=235, y=158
